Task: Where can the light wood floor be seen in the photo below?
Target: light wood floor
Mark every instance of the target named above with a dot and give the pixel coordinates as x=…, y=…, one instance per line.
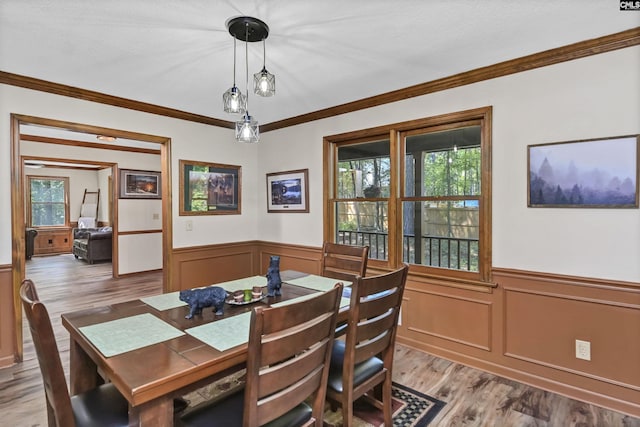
x=474, y=398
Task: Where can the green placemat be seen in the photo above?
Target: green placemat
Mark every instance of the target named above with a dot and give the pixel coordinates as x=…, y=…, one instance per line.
x=225, y=333
x=244, y=283
x=129, y=333
x=318, y=283
x=164, y=301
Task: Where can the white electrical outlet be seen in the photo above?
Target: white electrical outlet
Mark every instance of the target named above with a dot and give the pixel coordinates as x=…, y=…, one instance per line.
x=583, y=350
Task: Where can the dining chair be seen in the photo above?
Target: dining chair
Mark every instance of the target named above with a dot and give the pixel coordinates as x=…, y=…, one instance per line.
x=101, y=406
x=289, y=350
x=344, y=262
x=364, y=358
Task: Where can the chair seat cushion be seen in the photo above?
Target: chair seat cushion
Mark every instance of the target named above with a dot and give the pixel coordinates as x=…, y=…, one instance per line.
x=362, y=371
x=101, y=406
x=228, y=412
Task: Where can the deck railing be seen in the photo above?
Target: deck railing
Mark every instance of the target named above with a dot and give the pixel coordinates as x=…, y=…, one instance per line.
x=435, y=251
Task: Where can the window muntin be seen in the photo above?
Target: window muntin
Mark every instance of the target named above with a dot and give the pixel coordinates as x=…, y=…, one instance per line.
x=48, y=201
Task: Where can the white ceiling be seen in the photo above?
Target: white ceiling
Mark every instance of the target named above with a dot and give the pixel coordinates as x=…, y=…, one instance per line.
x=178, y=54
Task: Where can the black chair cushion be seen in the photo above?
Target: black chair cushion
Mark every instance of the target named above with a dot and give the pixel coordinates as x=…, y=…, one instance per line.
x=362, y=371
x=101, y=406
x=295, y=417
x=228, y=413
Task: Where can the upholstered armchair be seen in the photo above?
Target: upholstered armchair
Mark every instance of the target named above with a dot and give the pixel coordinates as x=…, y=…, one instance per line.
x=93, y=244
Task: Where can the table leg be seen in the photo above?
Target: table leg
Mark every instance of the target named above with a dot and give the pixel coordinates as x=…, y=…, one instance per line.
x=83, y=371
x=156, y=413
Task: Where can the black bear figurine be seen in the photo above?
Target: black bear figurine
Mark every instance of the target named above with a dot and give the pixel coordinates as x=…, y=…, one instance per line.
x=273, y=277
x=204, y=297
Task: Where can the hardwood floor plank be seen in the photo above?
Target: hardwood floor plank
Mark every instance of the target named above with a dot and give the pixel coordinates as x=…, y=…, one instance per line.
x=474, y=398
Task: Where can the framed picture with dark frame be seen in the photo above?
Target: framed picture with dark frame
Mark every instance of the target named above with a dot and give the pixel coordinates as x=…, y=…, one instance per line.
x=137, y=184
x=209, y=188
x=592, y=173
x=288, y=191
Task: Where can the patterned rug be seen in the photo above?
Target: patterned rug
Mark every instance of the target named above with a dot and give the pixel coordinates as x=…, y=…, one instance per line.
x=410, y=407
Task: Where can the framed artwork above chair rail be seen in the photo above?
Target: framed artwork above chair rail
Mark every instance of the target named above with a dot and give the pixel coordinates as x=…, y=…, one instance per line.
x=138, y=184
x=288, y=191
x=210, y=188
x=593, y=173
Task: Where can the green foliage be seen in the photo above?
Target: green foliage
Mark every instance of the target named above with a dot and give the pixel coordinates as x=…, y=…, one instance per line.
x=452, y=172
x=47, y=202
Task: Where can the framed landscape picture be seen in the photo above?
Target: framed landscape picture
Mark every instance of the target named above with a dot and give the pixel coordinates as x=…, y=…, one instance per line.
x=209, y=188
x=136, y=184
x=288, y=191
x=595, y=173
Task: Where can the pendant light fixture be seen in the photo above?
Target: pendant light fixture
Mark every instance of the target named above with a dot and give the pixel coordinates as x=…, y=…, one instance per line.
x=264, y=83
x=247, y=129
x=233, y=100
x=249, y=29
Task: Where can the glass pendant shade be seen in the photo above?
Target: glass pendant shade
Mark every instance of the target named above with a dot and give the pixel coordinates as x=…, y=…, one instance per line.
x=264, y=83
x=247, y=129
x=234, y=101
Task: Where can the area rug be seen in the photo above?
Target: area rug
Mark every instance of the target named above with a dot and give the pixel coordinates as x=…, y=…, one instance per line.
x=410, y=407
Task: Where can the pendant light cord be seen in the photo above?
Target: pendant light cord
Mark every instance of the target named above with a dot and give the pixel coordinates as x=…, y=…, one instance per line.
x=234, y=62
x=246, y=58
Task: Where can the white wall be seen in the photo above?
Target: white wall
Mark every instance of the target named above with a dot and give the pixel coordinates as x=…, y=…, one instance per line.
x=103, y=185
x=586, y=98
x=191, y=141
x=594, y=97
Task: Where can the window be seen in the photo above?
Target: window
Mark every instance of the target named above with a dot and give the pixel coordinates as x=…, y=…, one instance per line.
x=419, y=193
x=48, y=201
x=362, y=202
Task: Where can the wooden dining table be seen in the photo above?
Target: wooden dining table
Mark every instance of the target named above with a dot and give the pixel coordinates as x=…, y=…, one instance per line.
x=150, y=377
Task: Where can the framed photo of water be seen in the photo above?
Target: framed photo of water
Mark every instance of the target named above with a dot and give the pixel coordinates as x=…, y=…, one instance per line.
x=288, y=191
x=594, y=173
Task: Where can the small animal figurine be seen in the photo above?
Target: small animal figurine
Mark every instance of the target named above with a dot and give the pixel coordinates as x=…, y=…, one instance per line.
x=274, y=282
x=204, y=297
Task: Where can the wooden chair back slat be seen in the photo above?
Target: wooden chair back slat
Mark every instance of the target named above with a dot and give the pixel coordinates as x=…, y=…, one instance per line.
x=372, y=307
x=281, y=403
x=283, y=374
x=372, y=348
x=375, y=327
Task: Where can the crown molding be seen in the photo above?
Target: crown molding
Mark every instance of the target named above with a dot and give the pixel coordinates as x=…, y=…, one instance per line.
x=570, y=52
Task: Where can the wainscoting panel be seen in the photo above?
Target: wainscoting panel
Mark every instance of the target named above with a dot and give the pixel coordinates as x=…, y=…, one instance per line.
x=7, y=320
x=299, y=258
x=525, y=329
x=206, y=265
x=542, y=328
x=465, y=321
